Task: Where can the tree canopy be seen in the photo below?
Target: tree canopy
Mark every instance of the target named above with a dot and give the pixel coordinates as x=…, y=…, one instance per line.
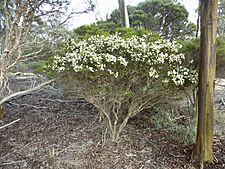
x=168, y=17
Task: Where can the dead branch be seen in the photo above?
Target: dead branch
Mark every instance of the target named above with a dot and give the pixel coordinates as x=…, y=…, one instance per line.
x=70, y=15
x=10, y=123
x=20, y=93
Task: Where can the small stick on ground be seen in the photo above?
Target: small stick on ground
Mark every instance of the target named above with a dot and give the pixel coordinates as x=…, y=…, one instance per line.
x=10, y=123
x=223, y=101
x=13, y=162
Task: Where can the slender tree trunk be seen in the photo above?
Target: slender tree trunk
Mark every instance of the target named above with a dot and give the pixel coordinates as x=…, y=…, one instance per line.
x=221, y=19
x=2, y=73
x=203, y=148
x=123, y=14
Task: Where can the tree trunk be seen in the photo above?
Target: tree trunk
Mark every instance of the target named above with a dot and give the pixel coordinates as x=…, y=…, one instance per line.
x=2, y=74
x=221, y=18
x=123, y=14
x=203, y=148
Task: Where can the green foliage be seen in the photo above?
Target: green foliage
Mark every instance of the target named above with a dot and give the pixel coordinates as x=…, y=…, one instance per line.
x=220, y=48
x=190, y=46
x=106, y=28
x=115, y=17
x=138, y=18
x=148, y=15
x=173, y=121
x=129, y=32
x=168, y=17
x=191, y=50
x=220, y=56
x=86, y=31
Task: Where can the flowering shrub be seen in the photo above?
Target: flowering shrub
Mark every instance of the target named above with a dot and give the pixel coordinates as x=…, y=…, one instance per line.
x=121, y=77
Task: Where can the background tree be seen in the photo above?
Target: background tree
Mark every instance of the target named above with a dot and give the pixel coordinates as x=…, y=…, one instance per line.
x=124, y=19
x=221, y=18
x=1, y=24
x=168, y=17
x=25, y=27
x=208, y=14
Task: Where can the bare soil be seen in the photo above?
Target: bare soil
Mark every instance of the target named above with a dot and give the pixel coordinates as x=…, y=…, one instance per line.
x=58, y=132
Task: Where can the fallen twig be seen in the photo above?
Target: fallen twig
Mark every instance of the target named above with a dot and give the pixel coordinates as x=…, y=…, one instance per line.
x=13, y=162
x=177, y=156
x=10, y=123
x=178, y=118
x=223, y=101
x=25, y=91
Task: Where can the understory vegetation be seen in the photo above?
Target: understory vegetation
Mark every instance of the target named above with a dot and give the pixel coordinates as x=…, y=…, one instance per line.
x=123, y=76
x=182, y=125
x=93, y=47
x=182, y=121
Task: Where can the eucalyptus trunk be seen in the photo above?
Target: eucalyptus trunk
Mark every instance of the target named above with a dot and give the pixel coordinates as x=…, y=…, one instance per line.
x=207, y=68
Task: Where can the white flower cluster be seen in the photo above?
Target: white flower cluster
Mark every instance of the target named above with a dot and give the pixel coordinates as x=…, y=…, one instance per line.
x=180, y=74
x=113, y=55
x=166, y=51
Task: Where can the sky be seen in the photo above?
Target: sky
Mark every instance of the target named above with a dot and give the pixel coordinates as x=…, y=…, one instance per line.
x=105, y=7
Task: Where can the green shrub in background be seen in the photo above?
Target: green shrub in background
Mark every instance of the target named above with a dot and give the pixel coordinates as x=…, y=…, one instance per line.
x=121, y=77
x=86, y=31
x=191, y=50
x=108, y=26
x=129, y=32
x=220, y=52
x=181, y=125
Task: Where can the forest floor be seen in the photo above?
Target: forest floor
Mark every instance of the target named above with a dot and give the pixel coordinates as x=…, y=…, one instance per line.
x=59, y=132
